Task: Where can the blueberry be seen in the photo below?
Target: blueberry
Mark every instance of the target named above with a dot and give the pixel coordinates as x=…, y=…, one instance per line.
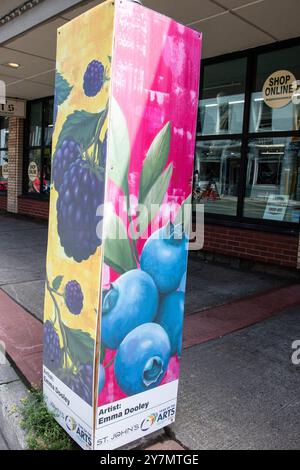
x=131, y=301
x=65, y=155
x=74, y=297
x=142, y=359
x=101, y=378
x=81, y=193
x=94, y=78
x=52, y=349
x=170, y=317
x=164, y=258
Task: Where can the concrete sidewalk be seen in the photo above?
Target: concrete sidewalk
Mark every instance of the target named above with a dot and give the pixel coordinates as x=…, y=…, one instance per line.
x=23, y=259
x=231, y=393
x=242, y=391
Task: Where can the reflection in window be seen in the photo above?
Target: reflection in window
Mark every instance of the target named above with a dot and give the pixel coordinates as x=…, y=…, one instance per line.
x=4, y=131
x=273, y=179
x=221, y=109
x=216, y=176
x=38, y=171
x=34, y=171
x=36, y=116
x=264, y=118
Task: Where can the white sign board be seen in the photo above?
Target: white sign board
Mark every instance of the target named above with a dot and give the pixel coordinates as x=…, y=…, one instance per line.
x=276, y=207
x=13, y=108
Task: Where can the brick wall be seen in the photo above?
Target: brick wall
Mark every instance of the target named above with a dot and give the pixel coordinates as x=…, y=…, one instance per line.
x=15, y=163
x=262, y=247
x=3, y=202
x=33, y=207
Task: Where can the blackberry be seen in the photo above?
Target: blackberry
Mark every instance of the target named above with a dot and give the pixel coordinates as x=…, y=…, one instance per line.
x=82, y=383
x=74, y=297
x=81, y=193
x=52, y=350
x=94, y=78
x=67, y=154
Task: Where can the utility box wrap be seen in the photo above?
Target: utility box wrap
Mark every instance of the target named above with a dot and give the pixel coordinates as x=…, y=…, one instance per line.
x=126, y=102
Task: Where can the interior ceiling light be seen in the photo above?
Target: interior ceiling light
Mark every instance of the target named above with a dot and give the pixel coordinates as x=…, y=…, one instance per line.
x=12, y=65
x=19, y=11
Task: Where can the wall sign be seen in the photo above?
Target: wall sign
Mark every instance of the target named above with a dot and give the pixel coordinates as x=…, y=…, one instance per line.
x=33, y=171
x=276, y=207
x=279, y=89
x=5, y=171
x=13, y=108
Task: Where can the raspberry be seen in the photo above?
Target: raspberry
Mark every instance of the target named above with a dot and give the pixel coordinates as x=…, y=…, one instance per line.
x=81, y=193
x=67, y=154
x=74, y=297
x=94, y=78
x=52, y=350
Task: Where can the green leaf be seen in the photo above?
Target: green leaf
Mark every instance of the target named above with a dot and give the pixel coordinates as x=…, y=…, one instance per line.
x=80, y=126
x=57, y=282
x=119, y=152
x=102, y=353
x=155, y=161
x=80, y=345
x=62, y=88
x=182, y=215
x=154, y=198
x=117, y=250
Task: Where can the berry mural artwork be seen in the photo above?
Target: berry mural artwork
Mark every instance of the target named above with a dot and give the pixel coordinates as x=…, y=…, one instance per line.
x=114, y=303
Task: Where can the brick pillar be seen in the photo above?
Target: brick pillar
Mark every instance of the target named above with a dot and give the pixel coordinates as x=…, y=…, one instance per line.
x=298, y=263
x=15, y=163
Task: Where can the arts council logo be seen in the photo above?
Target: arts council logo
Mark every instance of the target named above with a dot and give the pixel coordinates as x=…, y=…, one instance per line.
x=148, y=422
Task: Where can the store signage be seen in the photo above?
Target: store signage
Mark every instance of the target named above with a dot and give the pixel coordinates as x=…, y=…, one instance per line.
x=279, y=89
x=114, y=302
x=5, y=171
x=13, y=108
x=33, y=171
x=276, y=207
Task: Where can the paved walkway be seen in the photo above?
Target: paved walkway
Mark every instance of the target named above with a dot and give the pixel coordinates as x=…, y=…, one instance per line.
x=22, y=272
x=242, y=391
x=224, y=381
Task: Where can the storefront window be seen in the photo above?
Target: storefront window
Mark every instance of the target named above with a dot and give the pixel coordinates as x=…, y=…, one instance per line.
x=38, y=168
x=247, y=166
x=216, y=175
x=275, y=117
x=4, y=131
x=273, y=180
x=221, y=108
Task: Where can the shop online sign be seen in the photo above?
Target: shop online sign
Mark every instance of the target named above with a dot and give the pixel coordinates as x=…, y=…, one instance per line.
x=127, y=100
x=280, y=88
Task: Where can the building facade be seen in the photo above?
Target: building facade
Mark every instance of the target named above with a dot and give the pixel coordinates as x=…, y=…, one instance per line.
x=247, y=164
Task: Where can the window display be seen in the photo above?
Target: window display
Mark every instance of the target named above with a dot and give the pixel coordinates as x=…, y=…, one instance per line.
x=38, y=167
x=273, y=179
x=221, y=109
x=248, y=149
x=216, y=175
